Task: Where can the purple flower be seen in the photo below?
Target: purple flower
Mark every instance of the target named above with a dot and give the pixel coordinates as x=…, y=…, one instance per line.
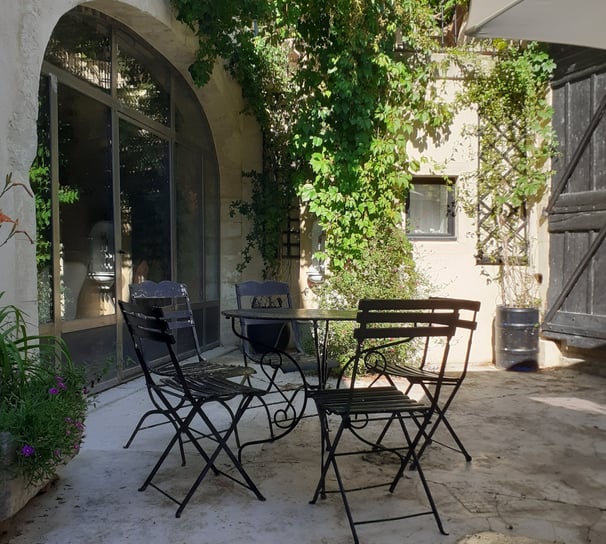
x=60, y=382
x=53, y=391
x=27, y=450
x=57, y=453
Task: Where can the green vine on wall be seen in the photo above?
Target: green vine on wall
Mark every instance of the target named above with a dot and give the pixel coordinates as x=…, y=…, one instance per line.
x=337, y=103
x=516, y=143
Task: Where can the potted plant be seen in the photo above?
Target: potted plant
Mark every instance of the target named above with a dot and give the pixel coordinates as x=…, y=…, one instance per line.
x=516, y=143
x=43, y=402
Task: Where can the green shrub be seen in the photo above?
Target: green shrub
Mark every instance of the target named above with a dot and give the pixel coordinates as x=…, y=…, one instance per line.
x=43, y=398
x=388, y=270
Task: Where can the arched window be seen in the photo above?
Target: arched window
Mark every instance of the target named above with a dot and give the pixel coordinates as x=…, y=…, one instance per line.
x=127, y=188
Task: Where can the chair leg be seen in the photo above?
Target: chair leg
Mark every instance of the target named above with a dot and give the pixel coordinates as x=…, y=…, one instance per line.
x=183, y=428
x=330, y=447
x=412, y=458
x=440, y=412
x=330, y=460
x=138, y=427
x=441, y=419
x=221, y=439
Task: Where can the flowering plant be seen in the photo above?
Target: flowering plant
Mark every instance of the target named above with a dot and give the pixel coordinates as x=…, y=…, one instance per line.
x=43, y=399
x=5, y=219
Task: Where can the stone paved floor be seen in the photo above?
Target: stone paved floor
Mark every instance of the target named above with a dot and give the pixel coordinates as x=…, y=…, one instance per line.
x=538, y=474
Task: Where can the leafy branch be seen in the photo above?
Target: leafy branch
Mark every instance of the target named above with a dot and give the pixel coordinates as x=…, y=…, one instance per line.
x=337, y=104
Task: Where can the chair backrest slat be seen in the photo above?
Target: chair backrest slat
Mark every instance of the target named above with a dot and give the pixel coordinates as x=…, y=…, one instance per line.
x=384, y=323
x=150, y=323
x=429, y=318
x=173, y=297
x=412, y=331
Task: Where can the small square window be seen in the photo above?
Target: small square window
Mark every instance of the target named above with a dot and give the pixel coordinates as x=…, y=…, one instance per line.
x=430, y=208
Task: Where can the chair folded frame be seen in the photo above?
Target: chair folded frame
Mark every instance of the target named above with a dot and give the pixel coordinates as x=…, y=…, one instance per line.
x=383, y=419
x=184, y=399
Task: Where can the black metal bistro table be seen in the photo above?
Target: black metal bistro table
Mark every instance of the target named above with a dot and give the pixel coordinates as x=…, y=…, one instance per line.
x=285, y=414
x=319, y=318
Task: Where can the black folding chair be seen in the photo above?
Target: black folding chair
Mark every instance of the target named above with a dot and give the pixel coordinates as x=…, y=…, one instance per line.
x=427, y=378
x=275, y=348
x=173, y=297
x=184, y=396
x=364, y=411
x=261, y=335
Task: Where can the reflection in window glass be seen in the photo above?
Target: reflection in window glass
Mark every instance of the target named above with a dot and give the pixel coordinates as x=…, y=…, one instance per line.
x=189, y=216
x=86, y=208
x=430, y=208
x=82, y=46
x=142, y=94
x=143, y=87
x=145, y=205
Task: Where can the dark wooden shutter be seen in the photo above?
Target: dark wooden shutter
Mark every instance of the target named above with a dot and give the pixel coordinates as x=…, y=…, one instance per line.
x=576, y=309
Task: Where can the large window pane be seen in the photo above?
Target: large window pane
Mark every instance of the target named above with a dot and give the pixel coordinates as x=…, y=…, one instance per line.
x=165, y=231
x=144, y=205
x=189, y=216
x=86, y=210
x=82, y=46
x=143, y=84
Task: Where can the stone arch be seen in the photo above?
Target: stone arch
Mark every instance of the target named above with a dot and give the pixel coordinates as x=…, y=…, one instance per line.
x=26, y=28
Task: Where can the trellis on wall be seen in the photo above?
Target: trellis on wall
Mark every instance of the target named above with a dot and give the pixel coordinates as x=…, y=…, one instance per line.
x=503, y=235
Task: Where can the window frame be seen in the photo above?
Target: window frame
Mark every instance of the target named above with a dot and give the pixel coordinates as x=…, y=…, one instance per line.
x=450, y=183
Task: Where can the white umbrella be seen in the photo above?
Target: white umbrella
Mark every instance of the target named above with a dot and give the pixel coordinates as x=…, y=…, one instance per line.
x=575, y=22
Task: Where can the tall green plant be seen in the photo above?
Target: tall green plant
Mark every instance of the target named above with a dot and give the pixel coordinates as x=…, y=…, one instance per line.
x=387, y=270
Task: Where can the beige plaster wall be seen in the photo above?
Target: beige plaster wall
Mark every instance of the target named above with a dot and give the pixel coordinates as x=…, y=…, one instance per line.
x=451, y=265
x=25, y=28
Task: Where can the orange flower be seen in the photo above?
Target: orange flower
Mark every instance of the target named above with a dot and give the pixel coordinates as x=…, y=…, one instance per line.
x=6, y=219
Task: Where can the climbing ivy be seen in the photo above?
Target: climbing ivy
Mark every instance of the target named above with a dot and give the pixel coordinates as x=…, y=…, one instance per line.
x=340, y=88
x=510, y=93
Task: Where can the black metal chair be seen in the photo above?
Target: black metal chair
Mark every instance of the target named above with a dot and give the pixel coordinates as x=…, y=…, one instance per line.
x=425, y=375
x=183, y=397
x=173, y=297
x=276, y=350
x=260, y=335
x=364, y=411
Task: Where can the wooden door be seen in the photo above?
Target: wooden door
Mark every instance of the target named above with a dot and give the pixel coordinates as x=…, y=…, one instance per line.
x=576, y=309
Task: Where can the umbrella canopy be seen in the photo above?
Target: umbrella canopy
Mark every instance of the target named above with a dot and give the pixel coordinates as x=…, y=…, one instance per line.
x=574, y=22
